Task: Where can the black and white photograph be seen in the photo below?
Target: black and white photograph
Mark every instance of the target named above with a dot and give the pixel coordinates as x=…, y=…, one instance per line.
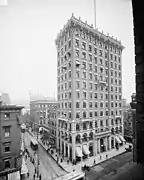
x=71, y=90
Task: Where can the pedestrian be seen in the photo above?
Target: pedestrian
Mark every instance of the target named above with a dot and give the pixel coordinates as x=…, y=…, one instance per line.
x=100, y=157
x=28, y=174
x=106, y=156
x=34, y=176
x=35, y=170
x=40, y=177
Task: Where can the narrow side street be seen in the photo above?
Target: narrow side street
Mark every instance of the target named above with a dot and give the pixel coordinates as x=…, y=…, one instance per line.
x=48, y=168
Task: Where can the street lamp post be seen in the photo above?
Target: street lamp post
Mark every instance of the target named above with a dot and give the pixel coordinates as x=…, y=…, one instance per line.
x=133, y=106
x=85, y=174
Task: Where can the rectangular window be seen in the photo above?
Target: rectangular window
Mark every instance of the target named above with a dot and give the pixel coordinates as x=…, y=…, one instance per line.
x=84, y=85
x=95, y=60
x=95, y=51
x=90, y=57
x=90, y=76
x=84, y=75
x=95, y=69
x=90, y=85
x=83, y=45
x=77, y=53
x=7, y=131
x=84, y=65
x=77, y=43
x=100, y=53
x=6, y=116
x=83, y=55
x=6, y=147
x=90, y=48
x=7, y=163
x=90, y=67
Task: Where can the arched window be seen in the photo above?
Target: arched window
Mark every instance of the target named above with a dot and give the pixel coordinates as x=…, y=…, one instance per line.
x=84, y=137
x=78, y=138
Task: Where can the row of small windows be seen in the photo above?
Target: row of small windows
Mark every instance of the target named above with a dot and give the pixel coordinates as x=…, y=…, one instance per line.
x=84, y=95
x=86, y=85
x=91, y=105
x=90, y=68
x=91, y=114
x=84, y=74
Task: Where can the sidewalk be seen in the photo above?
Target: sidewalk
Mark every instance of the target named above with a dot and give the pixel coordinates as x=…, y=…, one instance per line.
x=90, y=161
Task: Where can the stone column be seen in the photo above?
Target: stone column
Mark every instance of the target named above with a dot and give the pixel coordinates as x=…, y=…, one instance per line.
x=68, y=151
x=105, y=142
x=73, y=147
x=94, y=147
x=98, y=145
x=64, y=148
x=109, y=142
x=60, y=143
x=114, y=141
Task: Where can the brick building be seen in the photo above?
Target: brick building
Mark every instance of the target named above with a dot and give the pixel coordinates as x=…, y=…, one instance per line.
x=43, y=114
x=10, y=137
x=89, y=90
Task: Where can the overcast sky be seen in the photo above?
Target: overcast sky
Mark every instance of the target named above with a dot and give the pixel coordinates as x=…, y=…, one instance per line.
x=28, y=29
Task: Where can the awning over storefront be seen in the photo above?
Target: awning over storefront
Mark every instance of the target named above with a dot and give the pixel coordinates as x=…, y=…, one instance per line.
x=14, y=176
x=85, y=150
x=117, y=139
x=121, y=138
x=79, y=152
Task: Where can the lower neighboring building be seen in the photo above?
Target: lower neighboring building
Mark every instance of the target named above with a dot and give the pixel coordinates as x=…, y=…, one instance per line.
x=43, y=114
x=10, y=142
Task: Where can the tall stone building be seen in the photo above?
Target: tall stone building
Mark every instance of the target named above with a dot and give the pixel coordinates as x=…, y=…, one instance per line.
x=89, y=67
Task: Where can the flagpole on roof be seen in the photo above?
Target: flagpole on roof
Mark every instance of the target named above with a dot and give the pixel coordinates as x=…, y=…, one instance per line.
x=95, y=13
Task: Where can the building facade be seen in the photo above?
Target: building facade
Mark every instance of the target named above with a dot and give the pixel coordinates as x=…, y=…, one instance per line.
x=44, y=114
x=10, y=137
x=89, y=67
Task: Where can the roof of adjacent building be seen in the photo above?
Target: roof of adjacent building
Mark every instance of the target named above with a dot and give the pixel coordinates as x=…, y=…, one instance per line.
x=10, y=107
x=44, y=101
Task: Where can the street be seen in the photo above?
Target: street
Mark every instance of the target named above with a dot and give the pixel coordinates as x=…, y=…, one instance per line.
x=48, y=168
x=107, y=167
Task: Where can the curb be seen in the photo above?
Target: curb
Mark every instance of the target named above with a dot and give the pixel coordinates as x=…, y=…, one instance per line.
x=108, y=159
x=48, y=153
x=52, y=157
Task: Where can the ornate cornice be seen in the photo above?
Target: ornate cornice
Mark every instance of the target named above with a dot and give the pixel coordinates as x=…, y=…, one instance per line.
x=74, y=22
